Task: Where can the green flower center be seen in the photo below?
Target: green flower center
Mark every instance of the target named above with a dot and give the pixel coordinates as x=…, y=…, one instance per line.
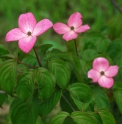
x=29, y=33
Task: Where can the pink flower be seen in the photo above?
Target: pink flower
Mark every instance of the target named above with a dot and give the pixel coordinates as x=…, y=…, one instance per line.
x=71, y=30
x=28, y=30
x=103, y=73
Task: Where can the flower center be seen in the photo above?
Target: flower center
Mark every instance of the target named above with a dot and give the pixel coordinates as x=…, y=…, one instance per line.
x=102, y=72
x=29, y=33
x=72, y=28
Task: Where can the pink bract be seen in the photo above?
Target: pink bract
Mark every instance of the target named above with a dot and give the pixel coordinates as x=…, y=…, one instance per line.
x=73, y=27
x=103, y=73
x=28, y=31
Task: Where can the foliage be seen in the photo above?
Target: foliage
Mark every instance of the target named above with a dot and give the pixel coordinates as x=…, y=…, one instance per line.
x=62, y=79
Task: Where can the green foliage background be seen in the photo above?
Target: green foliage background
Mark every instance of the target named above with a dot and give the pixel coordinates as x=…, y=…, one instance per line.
x=100, y=15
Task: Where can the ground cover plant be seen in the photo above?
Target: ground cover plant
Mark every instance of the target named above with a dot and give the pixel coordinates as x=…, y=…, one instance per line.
x=74, y=76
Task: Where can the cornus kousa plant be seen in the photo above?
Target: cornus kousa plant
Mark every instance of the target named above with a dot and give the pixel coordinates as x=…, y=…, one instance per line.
x=73, y=27
x=38, y=78
x=103, y=73
x=28, y=31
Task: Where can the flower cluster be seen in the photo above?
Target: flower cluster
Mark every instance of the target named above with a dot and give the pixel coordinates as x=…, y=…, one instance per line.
x=29, y=29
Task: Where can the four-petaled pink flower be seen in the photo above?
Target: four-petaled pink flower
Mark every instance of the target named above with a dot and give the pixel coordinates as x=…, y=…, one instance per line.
x=71, y=30
x=28, y=31
x=102, y=72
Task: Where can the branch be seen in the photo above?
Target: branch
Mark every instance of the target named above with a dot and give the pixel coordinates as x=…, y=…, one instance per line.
x=26, y=64
x=68, y=102
x=38, y=59
x=76, y=47
x=116, y=5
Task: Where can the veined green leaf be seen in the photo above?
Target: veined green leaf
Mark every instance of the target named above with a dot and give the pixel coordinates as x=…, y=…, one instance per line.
x=3, y=97
x=25, y=85
x=59, y=118
x=45, y=81
x=42, y=49
x=106, y=117
x=89, y=54
x=96, y=117
x=22, y=112
x=61, y=71
x=117, y=91
x=82, y=118
x=48, y=105
x=100, y=98
x=81, y=95
x=69, y=58
x=31, y=60
x=8, y=73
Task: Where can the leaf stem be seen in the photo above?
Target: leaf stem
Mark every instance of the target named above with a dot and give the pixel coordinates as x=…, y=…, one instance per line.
x=76, y=47
x=38, y=59
x=68, y=102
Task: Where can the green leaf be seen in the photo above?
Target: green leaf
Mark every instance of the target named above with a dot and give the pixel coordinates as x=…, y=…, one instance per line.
x=71, y=46
x=117, y=91
x=25, y=85
x=61, y=71
x=72, y=59
x=86, y=66
x=75, y=63
x=96, y=117
x=3, y=50
x=59, y=118
x=69, y=120
x=22, y=112
x=45, y=81
x=81, y=95
x=8, y=73
x=69, y=58
x=114, y=25
x=3, y=97
x=48, y=105
x=31, y=60
x=102, y=45
x=107, y=117
x=43, y=49
x=1, y=61
x=82, y=118
x=100, y=98
x=89, y=54
x=65, y=101
x=119, y=63
x=115, y=50
x=97, y=42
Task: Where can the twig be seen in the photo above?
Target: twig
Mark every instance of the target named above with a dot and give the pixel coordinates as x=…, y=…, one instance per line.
x=68, y=102
x=39, y=61
x=76, y=47
x=116, y=5
x=26, y=64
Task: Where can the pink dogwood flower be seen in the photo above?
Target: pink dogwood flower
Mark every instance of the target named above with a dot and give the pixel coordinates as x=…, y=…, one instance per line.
x=103, y=73
x=71, y=30
x=28, y=31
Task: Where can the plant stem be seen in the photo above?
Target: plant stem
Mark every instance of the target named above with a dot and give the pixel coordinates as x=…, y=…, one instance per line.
x=38, y=59
x=68, y=102
x=116, y=5
x=76, y=47
x=26, y=64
